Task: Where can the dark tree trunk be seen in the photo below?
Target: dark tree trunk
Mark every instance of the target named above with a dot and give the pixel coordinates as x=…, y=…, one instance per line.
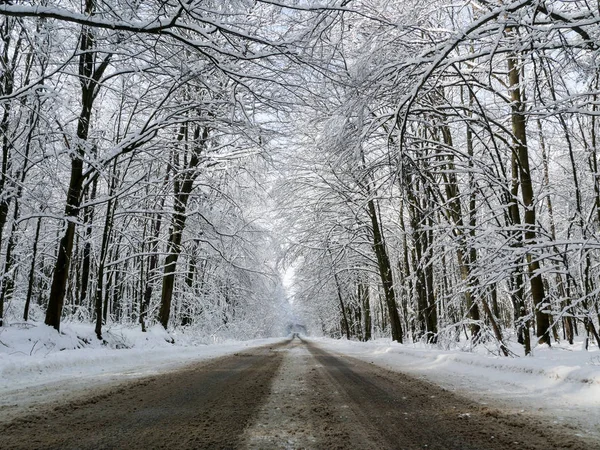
x=87, y=246
x=32, y=270
x=338, y=289
x=89, y=76
x=406, y=272
x=363, y=295
x=6, y=86
x=153, y=259
x=183, y=189
x=522, y=324
x=114, y=306
x=174, y=249
x=423, y=271
x=106, y=235
x=186, y=317
x=519, y=128
x=7, y=282
x=385, y=272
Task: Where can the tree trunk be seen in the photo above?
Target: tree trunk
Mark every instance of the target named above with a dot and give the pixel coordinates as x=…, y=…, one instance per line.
x=522, y=324
x=521, y=151
x=426, y=307
x=89, y=76
x=466, y=256
x=7, y=282
x=560, y=284
x=87, y=246
x=183, y=189
x=385, y=272
x=153, y=259
x=106, y=234
x=363, y=295
x=32, y=270
x=186, y=317
x=6, y=89
x=345, y=325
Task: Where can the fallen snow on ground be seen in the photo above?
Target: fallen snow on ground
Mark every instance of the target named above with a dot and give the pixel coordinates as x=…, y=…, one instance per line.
x=40, y=366
x=559, y=385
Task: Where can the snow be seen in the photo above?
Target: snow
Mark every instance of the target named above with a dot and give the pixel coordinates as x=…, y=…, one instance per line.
x=39, y=366
x=558, y=386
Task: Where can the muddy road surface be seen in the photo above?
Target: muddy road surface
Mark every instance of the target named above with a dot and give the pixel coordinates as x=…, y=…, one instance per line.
x=291, y=396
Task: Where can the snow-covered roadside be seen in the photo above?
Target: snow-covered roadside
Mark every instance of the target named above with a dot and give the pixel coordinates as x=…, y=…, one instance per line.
x=559, y=386
x=38, y=366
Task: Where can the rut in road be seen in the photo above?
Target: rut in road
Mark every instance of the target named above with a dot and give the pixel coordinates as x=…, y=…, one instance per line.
x=293, y=396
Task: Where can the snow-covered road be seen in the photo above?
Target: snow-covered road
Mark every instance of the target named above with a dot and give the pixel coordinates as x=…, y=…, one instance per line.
x=558, y=387
x=292, y=394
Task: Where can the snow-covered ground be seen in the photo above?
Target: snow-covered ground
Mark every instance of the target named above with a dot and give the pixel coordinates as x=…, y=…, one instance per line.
x=559, y=386
x=39, y=366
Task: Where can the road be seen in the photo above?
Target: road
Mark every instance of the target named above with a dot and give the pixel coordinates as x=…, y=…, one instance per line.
x=289, y=396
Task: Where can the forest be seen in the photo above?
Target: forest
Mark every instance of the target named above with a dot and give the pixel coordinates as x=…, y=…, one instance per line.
x=420, y=171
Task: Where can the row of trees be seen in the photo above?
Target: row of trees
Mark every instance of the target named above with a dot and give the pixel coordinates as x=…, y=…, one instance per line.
x=450, y=161
x=133, y=141
x=439, y=165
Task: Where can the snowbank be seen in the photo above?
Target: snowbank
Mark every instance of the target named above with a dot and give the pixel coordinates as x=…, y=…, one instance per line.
x=557, y=363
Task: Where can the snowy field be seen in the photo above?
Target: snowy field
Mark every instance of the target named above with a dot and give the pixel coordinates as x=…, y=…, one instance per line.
x=560, y=386
x=39, y=366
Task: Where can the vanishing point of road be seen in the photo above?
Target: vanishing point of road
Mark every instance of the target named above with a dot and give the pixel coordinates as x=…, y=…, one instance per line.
x=288, y=396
